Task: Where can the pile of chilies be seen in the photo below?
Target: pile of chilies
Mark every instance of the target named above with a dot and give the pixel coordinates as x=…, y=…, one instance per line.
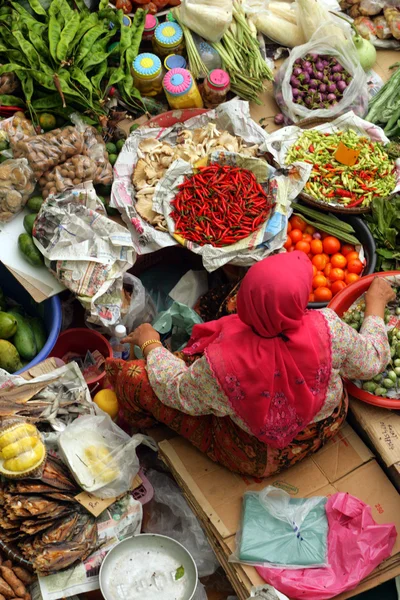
x=220, y=206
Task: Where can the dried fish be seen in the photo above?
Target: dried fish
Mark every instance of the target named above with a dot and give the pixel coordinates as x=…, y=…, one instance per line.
x=59, y=556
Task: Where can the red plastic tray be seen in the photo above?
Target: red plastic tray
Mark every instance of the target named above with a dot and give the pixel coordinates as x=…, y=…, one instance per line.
x=171, y=117
x=340, y=303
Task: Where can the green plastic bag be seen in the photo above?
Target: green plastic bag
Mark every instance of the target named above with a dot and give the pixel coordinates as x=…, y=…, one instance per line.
x=179, y=319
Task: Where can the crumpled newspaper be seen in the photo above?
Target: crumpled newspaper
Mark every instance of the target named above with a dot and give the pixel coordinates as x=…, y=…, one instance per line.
x=234, y=117
x=266, y=592
x=86, y=251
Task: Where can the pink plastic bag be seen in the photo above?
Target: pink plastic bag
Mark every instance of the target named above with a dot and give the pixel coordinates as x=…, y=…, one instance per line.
x=356, y=546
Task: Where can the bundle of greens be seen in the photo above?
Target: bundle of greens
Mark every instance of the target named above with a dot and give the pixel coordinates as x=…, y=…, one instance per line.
x=384, y=108
x=60, y=56
x=384, y=223
x=240, y=53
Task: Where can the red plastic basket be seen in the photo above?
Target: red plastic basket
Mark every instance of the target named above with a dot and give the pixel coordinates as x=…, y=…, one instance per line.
x=342, y=302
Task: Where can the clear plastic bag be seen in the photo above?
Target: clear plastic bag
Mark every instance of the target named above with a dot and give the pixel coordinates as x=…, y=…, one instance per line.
x=100, y=455
x=208, y=18
x=178, y=320
x=68, y=175
x=50, y=149
x=171, y=515
x=96, y=149
x=280, y=531
x=18, y=128
x=16, y=185
x=138, y=307
x=355, y=96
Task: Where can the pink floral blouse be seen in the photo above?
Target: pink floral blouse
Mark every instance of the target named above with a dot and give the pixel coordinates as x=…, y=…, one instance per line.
x=194, y=390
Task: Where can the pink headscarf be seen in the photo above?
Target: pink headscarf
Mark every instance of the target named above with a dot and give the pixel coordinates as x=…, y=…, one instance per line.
x=272, y=359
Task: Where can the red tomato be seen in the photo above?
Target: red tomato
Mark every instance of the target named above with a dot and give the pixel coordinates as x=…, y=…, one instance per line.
x=351, y=278
x=327, y=270
x=303, y=246
x=355, y=266
x=311, y=298
x=337, y=286
x=322, y=294
x=291, y=249
x=314, y=270
x=124, y=5
x=296, y=235
x=346, y=249
x=288, y=243
x=338, y=260
x=336, y=274
x=316, y=247
x=352, y=256
x=319, y=281
x=289, y=227
x=307, y=237
x=298, y=223
x=331, y=244
x=310, y=229
x=319, y=261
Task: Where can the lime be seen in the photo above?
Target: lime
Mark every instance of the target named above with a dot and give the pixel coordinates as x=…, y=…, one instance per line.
x=133, y=127
x=112, y=158
x=111, y=148
x=120, y=144
x=107, y=400
x=47, y=121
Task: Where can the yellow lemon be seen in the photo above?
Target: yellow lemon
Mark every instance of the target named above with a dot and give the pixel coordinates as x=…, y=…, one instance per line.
x=107, y=400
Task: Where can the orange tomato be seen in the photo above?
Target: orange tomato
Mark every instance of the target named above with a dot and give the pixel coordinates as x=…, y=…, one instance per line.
x=288, y=242
x=303, y=246
x=355, y=266
x=351, y=278
x=338, y=260
x=310, y=229
x=337, y=286
x=316, y=247
x=296, y=235
x=314, y=270
x=289, y=227
x=324, y=235
x=352, y=256
x=328, y=283
x=336, y=274
x=291, y=249
x=307, y=237
x=331, y=245
x=319, y=281
x=327, y=270
x=322, y=294
x=298, y=223
x=327, y=258
x=311, y=298
x=346, y=249
x=319, y=261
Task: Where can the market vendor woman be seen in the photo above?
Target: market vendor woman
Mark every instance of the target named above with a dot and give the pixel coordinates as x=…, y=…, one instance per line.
x=259, y=390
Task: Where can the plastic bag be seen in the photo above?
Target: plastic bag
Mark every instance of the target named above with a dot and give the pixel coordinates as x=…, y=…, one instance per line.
x=100, y=455
x=50, y=149
x=179, y=319
x=171, y=515
x=96, y=149
x=209, y=18
x=279, y=530
x=139, y=307
x=16, y=185
x=275, y=22
x=355, y=96
x=313, y=16
x=18, y=128
x=356, y=546
x=66, y=176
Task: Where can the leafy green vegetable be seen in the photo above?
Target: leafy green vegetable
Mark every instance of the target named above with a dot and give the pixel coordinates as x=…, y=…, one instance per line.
x=384, y=223
x=179, y=573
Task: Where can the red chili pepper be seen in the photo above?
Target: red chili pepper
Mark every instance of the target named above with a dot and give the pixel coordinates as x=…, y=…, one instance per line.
x=356, y=203
x=311, y=148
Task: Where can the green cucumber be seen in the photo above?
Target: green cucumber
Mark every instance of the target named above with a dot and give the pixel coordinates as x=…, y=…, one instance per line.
x=29, y=220
x=24, y=339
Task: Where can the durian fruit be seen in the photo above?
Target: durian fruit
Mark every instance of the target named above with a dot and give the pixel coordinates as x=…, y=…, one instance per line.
x=22, y=451
x=101, y=464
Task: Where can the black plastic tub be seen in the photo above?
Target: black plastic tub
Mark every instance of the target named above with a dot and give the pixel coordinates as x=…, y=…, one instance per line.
x=363, y=234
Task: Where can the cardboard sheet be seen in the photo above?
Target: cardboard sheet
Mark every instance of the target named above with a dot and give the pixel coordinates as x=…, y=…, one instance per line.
x=345, y=464
x=38, y=281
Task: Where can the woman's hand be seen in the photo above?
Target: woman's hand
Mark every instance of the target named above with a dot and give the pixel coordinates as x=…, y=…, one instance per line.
x=380, y=293
x=142, y=334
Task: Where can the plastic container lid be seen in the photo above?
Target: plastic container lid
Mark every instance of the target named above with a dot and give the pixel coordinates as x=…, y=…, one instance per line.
x=147, y=65
x=150, y=23
x=168, y=34
x=218, y=79
x=177, y=82
x=120, y=331
x=125, y=21
x=174, y=61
